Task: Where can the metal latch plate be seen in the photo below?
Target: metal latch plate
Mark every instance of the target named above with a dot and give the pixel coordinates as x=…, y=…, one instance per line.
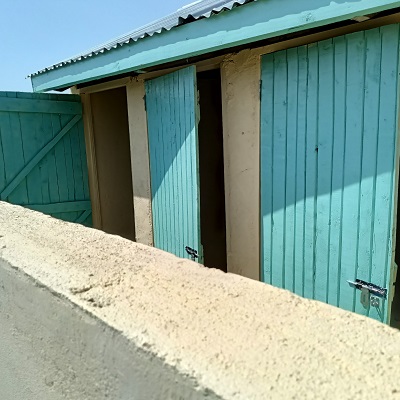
x=374, y=290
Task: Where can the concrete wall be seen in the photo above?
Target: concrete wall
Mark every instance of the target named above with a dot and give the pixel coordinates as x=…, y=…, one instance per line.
x=111, y=139
x=85, y=315
x=241, y=126
x=140, y=162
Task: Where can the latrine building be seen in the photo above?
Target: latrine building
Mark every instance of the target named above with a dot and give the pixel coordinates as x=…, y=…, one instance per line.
x=259, y=136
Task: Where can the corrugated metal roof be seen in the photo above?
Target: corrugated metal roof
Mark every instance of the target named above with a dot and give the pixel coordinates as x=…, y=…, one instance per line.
x=189, y=13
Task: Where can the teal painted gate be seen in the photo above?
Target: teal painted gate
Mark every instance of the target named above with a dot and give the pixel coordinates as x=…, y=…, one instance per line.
x=329, y=132
x=42, y=155
x=172, y=119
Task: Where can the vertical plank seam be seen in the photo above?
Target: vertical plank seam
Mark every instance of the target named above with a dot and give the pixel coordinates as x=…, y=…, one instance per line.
x=332, y=168
x=316, y=158
x=285, y=183
x=272, y=170
x=343, y=175
x=174, y=152
x=389, y=233
x=295, y=173
x=375, y=169
x=361, y=166
x=305, y=169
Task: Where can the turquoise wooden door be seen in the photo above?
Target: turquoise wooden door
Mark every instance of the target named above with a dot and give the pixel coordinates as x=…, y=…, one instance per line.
x=42, y=155
x=172, y=118
x=328, y=140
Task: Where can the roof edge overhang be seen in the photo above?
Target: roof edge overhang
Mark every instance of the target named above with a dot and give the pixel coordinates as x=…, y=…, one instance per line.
x=253, y=22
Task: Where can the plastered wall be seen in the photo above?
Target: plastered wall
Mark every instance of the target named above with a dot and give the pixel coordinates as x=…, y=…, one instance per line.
x=87, y=315
x=140, y=161
x=51, y=349
x=111, y=140
x=241, y=129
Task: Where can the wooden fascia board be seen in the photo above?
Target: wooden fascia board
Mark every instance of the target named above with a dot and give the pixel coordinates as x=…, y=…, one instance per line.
x=243, y=25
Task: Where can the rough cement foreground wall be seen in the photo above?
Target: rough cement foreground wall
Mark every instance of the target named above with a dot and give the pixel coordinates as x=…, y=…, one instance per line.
x=86, y=315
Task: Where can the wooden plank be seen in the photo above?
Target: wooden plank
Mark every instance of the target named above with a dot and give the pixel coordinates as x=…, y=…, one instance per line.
x=183, y=212
x=196, y=164
x=267, y=156
x=61, y=166
x=26, y=105
x=324, y=167
x=69, y=162
x=84, y=166
x=279, y=169
x=168, y=137
x=54, y=193
x=194, y=201
x=302, y=54
x=339, y=139
x=311, y=171
x=31, y=130
x=172, y=150
x=291, y=168
x=22, y=174
x=13, y=158
x=63, y=207
x=20, y=194
x=39, y=133
x=383, y=216
x=162, y=130
x=74, y=134
x=372, y=82
x=42, y=96
x=2, y=162
x=352, y=167
x=153, y=145
x=83, y=217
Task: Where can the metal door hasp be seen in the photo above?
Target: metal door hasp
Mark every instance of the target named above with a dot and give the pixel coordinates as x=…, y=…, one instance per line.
x=374, y=290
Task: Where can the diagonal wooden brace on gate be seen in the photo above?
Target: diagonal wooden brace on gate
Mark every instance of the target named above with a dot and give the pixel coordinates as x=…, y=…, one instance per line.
x=39, y=156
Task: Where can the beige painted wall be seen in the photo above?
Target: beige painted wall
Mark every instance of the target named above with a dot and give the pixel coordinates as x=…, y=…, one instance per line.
x=111, y=140
x=86, y=315
x=241, y=126
x=140, y=161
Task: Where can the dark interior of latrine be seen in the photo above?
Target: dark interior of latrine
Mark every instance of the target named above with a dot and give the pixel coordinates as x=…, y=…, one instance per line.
x=211, y=163
x=111, y=137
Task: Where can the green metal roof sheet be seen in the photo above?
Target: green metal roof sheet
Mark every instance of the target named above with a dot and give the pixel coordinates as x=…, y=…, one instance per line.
x=189, y=13
x=242, y=24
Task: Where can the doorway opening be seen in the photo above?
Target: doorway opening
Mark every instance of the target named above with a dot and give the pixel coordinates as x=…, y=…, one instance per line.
x=211, y=166
x=113, y=158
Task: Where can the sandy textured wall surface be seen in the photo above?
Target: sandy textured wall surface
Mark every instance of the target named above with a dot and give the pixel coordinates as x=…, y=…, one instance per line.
x=86, y=315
